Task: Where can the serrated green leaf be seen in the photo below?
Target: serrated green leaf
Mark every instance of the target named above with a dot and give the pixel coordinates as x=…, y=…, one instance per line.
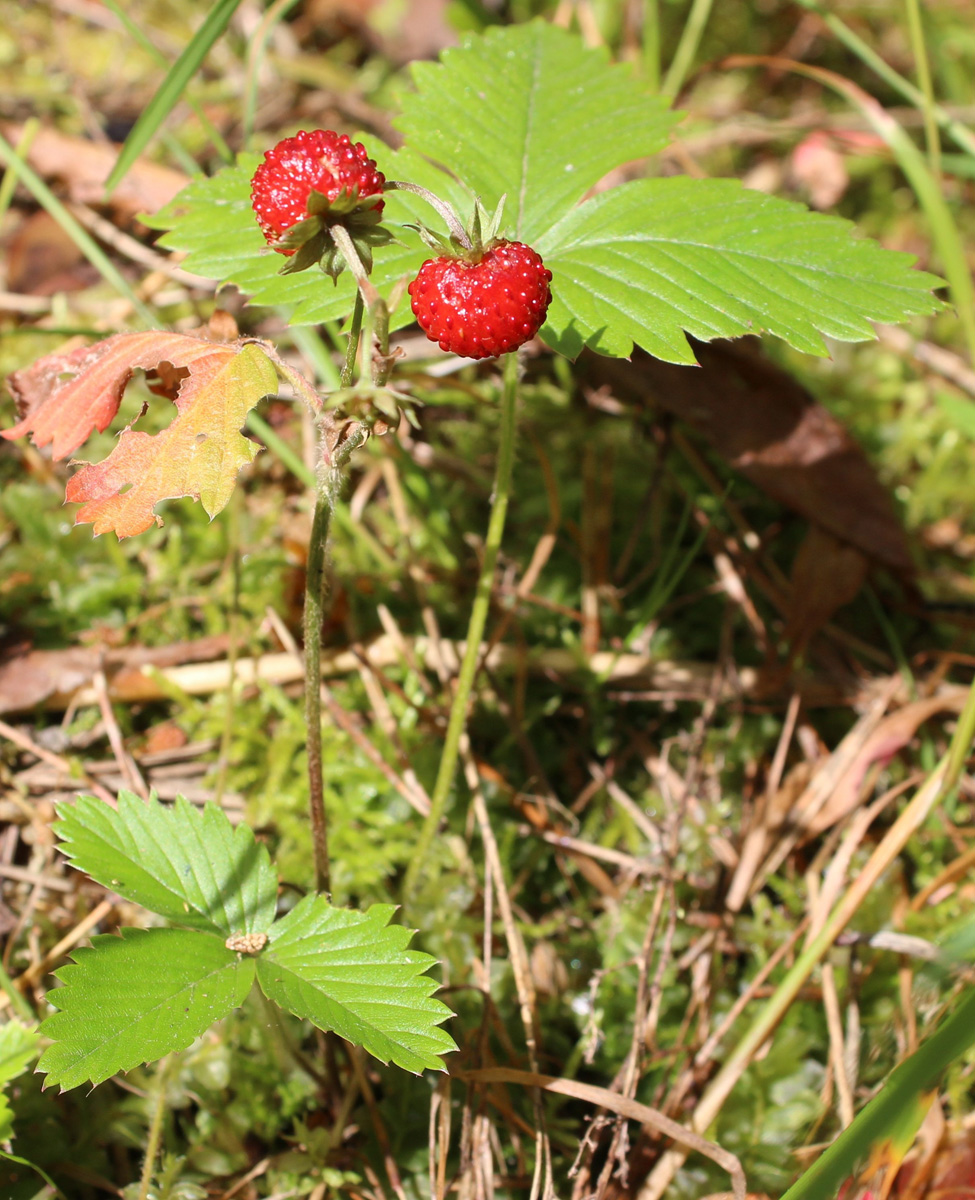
x=18, y=1045
x=188, y=865
x=650, y=260
x=351, y=972
x=134, y=998
x=529, y=110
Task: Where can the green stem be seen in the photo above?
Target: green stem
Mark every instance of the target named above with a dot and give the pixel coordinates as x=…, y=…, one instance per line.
x=687, y=48
x=355, y=329
x=325, y=496
x=155, y=1129
x=956, y=130
x=329, y=482
x=255, y=59
x=451, y=220
x=927, y=87
x=378, y=311
x=475, y=630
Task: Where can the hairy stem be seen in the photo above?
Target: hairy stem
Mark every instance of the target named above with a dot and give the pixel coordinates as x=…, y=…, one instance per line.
x=155, y=1129
x=334, y=458
x=355, y=329
x=314, y=600
x=326, y=493
x=457, y=723
x=451, y=220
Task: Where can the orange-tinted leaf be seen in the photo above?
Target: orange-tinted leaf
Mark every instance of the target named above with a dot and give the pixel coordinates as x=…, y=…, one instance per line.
x=67, y=411
x=198, y=455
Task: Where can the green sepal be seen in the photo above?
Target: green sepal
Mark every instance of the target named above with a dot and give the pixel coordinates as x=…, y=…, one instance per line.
x=311, y=239
x=308, y=254
x=368, y=404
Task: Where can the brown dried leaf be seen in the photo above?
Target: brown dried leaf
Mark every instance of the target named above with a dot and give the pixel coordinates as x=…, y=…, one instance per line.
x=29, y=679
x=891, y=736
x=198, y=455
x=82, y=166
x=826, y=574
x=771, y=429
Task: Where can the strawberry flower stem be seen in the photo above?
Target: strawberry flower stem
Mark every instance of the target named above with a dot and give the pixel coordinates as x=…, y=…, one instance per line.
x=352, y=260
x=451, y=219
x=326, y=494
x=377, y=310
x=329, y=482
x=355, y=329
x=457, y=723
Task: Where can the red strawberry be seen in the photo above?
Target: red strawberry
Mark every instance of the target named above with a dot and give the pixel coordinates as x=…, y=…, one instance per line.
x=484, y=307
x=311, y=182
x=322, y=161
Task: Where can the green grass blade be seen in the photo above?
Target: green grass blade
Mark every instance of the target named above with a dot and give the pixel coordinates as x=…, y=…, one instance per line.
x=923, y=67
x=687, y=48
x=960, y=134
x=255, y=59
x=165, y=99
x=81, y=238
x=884, y=1115
x=186, y=160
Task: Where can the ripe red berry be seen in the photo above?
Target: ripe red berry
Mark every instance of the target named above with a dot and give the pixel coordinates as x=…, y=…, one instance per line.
x=483, y=308
x=321, y=161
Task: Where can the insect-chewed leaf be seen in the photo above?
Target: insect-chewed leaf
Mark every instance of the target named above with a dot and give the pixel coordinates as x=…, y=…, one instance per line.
x=192, y=867
x=134, y=998
x=351, y=972
x=198, y=455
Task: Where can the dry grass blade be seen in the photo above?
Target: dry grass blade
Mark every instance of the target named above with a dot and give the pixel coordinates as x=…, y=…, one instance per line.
x=720, y=1088
x=521, y=969
x=632, y=1109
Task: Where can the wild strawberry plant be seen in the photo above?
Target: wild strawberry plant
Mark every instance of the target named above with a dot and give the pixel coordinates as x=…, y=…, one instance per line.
x=525, y=116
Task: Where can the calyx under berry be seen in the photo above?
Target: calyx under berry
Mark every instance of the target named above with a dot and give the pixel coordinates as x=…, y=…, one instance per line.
x=482, y=295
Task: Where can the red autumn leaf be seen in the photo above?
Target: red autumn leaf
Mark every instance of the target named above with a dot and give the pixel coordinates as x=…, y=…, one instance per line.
x=213, y=386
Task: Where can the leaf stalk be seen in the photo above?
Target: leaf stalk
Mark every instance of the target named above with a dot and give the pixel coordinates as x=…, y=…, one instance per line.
x=457, y=721
x=451, y=220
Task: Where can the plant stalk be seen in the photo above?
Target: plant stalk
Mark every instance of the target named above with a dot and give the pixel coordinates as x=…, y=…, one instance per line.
x=326, y=492
x=457, y=722
x=314, y=602
x=155, y=1129
x=451, y=220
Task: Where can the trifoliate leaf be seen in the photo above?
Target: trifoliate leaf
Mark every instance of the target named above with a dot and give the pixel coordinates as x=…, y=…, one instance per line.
x=134, y=998
x=651, y=259
x=188, y=865
x=529, y=110
x=351, y=972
